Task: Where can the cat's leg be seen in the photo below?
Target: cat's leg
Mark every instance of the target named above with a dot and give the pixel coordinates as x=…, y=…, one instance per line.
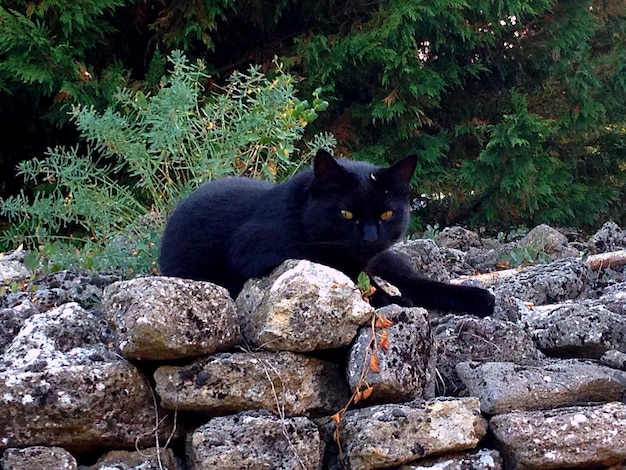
x=426, y=292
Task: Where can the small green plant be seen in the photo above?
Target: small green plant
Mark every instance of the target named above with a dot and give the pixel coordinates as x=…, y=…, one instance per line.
x=103, y=204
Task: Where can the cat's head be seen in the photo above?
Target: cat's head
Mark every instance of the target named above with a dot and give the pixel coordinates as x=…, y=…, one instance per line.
x=359, y=207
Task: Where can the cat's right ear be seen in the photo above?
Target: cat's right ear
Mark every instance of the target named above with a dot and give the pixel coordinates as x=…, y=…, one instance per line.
x=325, y=166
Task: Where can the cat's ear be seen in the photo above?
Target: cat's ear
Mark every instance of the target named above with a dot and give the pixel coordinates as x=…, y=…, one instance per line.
x=403, y=170
x=325, y=166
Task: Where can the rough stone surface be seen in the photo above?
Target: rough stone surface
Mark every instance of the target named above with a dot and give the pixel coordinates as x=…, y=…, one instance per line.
x=503, y=386
x=406, y=363
x=483, y=459
x=232, y=382
x=610, y=237
x=575, y=437
x=144, y=459
x=38, y=458
x=55, y=289
x=561, y=280
x=12, y=267
x=614, y=359
x=466, y=338
x=546, y=239
x=256, y=440
x=302, y=306
x=458, y=238
x=12, y=320
x=384, y=435
x=614, y=298
x=162, y=318
x=579, y=329
x=425, y=256
x=61, y=386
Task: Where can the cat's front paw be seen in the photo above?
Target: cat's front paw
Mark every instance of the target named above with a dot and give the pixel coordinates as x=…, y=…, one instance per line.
x=483, y=302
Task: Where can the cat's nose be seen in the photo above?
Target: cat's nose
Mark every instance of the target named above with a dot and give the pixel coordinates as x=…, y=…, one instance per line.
x=370, y=233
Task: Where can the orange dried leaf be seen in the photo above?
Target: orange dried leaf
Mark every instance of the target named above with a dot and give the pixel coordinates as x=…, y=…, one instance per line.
x=358, y=396
x=367, y=392
x=384, y=339
x=382, y=322
x=374, y=364
x=336, y=418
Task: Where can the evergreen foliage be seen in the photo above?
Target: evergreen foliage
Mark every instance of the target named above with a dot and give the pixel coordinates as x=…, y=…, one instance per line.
x=515, y=108
x=103, y=204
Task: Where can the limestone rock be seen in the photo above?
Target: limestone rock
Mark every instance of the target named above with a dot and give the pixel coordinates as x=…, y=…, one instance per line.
x=503, y=386
x=614, y=359
x=483, y=459
x=610, y=237
x=406, y=366
x=458, y=238
x=61, y=386
x=546, y=239
x=466, y=338
x=255, y=439
x=581, y=329
x=302, y=306
x=12, y=267
x=614, y=298
x=580, y=437
x=425, y=256
x=12, y=320
x=231, y=382
x=38, y=458
x=144, y=459
x=561, y=280
x=159, y=318
x=385, y=435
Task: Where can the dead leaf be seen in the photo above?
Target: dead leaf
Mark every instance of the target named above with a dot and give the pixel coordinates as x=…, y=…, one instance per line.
x=336, y=418
x=384, y=339
x=374, y=364
x=382, y=322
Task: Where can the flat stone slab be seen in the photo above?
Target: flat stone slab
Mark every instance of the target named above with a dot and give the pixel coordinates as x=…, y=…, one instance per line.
x=231, y=382
x=578, y=436
x=255, y=439
x=382, y=436
x=504, y=386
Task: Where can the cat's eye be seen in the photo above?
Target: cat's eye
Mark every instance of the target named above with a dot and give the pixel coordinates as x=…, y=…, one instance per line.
x=386, y=215
x=347, y=214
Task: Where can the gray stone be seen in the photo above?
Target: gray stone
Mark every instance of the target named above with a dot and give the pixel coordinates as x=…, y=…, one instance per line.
x=385, y=435
x=458, y=238
x=12, y=267
x=610, y=237
x=12, y=320
x=614, y=359
x=61, y=386
x=159, y=318
x=581, y=329
x=425, y=256
x=575, y=437
x=545, y=239
x=561, y=280
x=257, y=440
x=231, y=382
x=466, y=338
x=503, y=386
x=614, y=298
x=482, y=260
x=406, y=365
x=38, y=458
x=144, y=459
x=483, y=459
x=302, y=306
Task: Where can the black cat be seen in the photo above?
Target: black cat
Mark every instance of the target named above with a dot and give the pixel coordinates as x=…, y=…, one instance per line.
x=343, y=214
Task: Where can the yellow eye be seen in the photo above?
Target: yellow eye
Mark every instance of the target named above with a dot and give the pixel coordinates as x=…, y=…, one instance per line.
x=347, y=214
x=386, y=215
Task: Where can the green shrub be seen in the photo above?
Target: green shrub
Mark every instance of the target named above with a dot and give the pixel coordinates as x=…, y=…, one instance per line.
x=102, y=204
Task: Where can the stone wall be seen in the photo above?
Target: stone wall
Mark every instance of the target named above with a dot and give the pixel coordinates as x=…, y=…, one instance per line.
x=300, y=372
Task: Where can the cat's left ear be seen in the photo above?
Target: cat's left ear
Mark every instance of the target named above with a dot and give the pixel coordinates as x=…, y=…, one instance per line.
x=403, y=170
x=325, y=166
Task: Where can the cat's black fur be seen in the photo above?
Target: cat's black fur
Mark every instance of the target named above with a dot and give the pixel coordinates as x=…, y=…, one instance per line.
x=234, y=229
